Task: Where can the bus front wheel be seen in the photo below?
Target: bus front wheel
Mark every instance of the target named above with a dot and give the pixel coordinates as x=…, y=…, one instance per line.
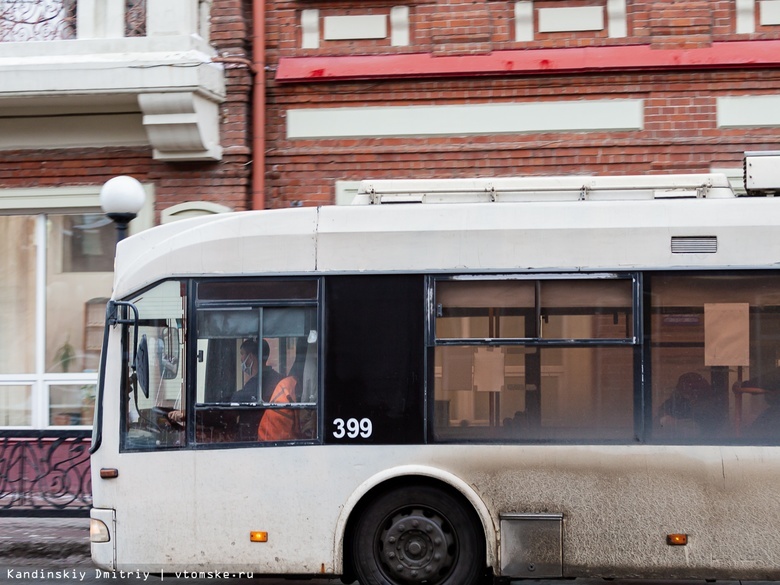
x=418, y=534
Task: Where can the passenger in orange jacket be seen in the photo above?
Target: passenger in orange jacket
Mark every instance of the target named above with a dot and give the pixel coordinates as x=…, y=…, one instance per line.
x=280, y=424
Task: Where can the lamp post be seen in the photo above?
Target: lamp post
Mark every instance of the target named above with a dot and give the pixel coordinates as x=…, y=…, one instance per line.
x=121, y=199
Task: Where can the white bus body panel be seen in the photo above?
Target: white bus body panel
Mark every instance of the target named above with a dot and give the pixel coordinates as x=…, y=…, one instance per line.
x=193, y=510
x=492, y=237
x=618, y=502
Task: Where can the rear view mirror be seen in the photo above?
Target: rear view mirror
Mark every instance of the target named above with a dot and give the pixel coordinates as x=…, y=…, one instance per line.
x=142, y=366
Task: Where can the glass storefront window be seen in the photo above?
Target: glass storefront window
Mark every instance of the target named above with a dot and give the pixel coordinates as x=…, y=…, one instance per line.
x=17, y=294
x=15, y=406
x=71, y=404
x=57, y=276
x=78, y=247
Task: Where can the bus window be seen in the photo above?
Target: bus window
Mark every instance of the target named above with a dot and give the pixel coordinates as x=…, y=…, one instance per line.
x=534, y=359
x=462, y=311
x=156, y=387
x=256, y=374
x=715, y=351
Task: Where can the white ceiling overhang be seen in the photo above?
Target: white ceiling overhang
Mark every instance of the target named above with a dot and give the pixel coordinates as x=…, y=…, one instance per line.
x=51, y=89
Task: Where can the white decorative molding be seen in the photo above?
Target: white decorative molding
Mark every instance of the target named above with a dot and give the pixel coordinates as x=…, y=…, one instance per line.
x=770, y=12
x=399, y=26
x=617, y=21
x=310, y=29
x=524, y=21
x=105, y=19
x=84, y=92
x=752, y=111
x=577, y=18
x=558, y=116
x=72, y=131
x=181, y=126
x=746, y=16
x=204, y=19
x=190, y=209
x=353, y=27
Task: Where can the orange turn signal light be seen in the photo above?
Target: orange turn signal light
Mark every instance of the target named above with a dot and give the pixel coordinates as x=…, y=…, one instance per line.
x=108, y=473
x=677, y=539
x=258, y=536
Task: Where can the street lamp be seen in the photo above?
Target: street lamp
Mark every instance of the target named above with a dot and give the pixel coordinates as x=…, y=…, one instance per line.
x=121, y=199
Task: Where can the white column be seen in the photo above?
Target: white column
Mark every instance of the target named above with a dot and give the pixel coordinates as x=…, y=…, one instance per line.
x=746, y=17
x=100, y=19
x=616, y=19
x=171, y=17
x=310, y=27
x=524, y=21
x=399, y=26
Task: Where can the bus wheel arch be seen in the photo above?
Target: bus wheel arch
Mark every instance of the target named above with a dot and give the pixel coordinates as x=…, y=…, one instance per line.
x=440, y=528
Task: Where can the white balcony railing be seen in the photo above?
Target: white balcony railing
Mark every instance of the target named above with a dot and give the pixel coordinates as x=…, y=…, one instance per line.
x=37, y=20
x=138, y=57
x=54, y=20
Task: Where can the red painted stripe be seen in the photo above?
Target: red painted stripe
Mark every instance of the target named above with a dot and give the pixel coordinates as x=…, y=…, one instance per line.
x=751, y=54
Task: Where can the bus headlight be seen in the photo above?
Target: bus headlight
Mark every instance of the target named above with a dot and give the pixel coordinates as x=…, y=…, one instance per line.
x=98, y=531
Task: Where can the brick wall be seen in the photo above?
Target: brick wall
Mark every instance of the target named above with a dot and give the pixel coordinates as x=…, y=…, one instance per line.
x=680, y=131
x=225, y=182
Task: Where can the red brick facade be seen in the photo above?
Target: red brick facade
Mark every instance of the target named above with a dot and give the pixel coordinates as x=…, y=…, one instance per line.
x=680, y=129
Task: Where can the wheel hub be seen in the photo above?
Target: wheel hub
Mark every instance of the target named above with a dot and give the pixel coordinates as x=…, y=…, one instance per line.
x=415, y=548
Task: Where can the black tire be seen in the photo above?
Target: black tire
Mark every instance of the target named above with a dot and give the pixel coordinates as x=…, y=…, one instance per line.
x=418, y=534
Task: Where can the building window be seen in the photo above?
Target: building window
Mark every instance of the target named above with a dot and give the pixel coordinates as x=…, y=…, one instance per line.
x=56, y=280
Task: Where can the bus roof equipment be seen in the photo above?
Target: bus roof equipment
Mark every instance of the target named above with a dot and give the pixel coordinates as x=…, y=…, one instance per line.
x=544, y=189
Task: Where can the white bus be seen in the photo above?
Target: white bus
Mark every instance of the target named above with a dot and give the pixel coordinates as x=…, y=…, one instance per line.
x=532, y=377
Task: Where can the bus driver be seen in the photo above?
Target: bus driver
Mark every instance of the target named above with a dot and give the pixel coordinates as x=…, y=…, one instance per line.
x=248, y=353
x=249, y=366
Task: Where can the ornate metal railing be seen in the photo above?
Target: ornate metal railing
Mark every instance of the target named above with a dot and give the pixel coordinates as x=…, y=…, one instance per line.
x=51, y=20
x=37, y=20
x=135, y=18
x=45, y=473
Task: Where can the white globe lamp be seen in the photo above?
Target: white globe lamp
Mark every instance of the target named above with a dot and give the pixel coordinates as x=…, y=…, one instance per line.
x=121, y=199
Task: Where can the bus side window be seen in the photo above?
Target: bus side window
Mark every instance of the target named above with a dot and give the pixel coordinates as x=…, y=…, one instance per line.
x=519, y=359
x=715, y=354
x=256, y=391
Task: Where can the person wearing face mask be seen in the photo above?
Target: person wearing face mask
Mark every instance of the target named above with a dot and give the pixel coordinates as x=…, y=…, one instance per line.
x=247, y=421
x=250, y=367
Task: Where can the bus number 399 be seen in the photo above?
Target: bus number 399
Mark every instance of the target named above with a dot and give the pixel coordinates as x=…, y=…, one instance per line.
x=352, y=428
